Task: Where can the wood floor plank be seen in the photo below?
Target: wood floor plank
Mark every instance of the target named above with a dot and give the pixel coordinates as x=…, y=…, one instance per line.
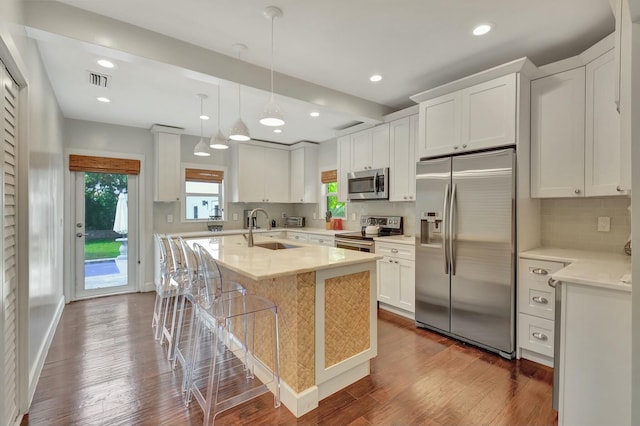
x=105, y=368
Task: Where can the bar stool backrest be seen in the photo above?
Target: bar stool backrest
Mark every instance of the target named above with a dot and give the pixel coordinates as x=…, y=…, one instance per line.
x=211, y=274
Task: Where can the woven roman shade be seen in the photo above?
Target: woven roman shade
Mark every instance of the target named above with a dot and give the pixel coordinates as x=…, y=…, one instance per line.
x=329, y=176
x=203, y=175
x=87, y=163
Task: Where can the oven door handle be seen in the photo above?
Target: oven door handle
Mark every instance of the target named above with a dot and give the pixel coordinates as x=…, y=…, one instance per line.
x=351, y=243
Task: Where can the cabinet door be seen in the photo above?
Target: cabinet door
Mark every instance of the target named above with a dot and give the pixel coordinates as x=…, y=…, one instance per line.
x=276, y=175
x=168, y=179
x=344, y=166
x=380, y=146
x=361, y=150
x=439, y=125
x=387, y=281
x=489, y=114
x=407, y=284
x=251, y=179
x=602, y=132
x=297, y=175
x=401, y=157
x=557, y=135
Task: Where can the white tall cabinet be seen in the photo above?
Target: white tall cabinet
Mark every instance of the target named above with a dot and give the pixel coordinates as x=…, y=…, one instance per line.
x=344, y=166
x=304, y=178
x=403, y=135
x=167, y=164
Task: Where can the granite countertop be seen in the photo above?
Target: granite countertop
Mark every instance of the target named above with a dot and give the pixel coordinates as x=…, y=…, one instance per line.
x=598, y=269
x=409, y=240
x=259, y=263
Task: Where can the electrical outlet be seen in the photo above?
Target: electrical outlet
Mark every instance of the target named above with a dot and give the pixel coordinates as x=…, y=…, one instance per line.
x=284, y=214
x=235, y=216
x=353, y=216
x=604, y=224
x=315, y=215
x=169, y=218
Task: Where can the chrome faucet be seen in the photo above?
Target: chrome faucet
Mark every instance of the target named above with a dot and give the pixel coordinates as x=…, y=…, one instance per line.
x=251, y=215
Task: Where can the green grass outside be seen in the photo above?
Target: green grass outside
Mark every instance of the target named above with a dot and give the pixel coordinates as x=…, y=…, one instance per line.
x=101, y=249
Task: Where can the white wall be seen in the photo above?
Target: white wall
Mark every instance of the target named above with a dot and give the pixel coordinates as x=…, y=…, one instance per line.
x=40, y=201
x=87, y=136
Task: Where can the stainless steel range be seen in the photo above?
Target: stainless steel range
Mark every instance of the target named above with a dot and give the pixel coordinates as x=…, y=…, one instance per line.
x=363, y=241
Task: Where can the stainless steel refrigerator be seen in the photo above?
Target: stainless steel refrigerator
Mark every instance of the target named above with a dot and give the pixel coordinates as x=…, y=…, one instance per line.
x=465, y=248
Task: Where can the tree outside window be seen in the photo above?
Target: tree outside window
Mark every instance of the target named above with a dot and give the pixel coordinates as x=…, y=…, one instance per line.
x=334, y=206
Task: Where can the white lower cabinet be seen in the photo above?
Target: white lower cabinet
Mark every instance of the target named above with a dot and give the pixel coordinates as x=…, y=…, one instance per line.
x=595, y=356
x=396, y=277
x=322, y=240
x=297, y=236
x=536, y=310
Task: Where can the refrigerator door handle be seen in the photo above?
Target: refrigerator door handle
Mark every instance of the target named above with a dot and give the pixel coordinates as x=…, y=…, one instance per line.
x=451, y=238
x=445, y=239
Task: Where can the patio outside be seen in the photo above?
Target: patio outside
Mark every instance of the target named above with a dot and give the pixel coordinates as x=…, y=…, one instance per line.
x=106, y=217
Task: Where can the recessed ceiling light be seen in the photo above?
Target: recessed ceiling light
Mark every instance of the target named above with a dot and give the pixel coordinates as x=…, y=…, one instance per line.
x=375, y=78
x=105, y=63
x=103, y=99
x=204, y=117
x=277, y=131
x=315, y=114
x=482, y=29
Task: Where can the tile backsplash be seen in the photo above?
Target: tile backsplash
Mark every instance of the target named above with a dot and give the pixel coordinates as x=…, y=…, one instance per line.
x=572, y=223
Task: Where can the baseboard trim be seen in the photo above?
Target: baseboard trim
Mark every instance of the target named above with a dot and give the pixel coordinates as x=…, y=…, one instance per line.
x=146, y=287
x=36, y=369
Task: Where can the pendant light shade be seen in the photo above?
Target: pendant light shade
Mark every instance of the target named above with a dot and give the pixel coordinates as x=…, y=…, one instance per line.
x=272, y=114
x=239, y=131
x=201, y=149
x=218, y=141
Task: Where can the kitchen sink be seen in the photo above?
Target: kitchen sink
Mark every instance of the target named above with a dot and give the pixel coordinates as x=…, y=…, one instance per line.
x=275, y=245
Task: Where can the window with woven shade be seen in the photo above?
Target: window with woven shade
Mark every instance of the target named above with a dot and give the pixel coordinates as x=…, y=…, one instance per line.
x=203, y=194
x=332, y=206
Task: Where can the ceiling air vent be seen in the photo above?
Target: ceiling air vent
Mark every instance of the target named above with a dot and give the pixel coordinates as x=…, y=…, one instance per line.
x=100, y=80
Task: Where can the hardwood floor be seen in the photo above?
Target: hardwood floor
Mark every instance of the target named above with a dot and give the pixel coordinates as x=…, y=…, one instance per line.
x=105, y=368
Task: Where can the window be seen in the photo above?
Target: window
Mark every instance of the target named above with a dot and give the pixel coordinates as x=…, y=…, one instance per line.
x=203, y=194
x=331, y=204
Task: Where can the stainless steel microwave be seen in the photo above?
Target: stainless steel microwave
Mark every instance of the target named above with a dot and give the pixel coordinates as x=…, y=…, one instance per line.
x=370, y=184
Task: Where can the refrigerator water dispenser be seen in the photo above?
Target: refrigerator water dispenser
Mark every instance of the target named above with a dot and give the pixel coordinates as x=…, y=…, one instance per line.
x=431, y=228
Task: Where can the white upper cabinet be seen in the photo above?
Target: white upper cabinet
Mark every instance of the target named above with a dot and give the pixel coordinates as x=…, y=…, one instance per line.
x=370, y=148
x=575, y=132
x=478, y=117
x=344, y=166
x=402, y=142
x=167, y=167
x=557, y=134
x=262, y=174
x=489, y=114
x=439, y=125
x=304, y=175
x=602, y=132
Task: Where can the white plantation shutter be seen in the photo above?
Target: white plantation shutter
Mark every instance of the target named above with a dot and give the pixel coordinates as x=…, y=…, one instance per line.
x=8, y=343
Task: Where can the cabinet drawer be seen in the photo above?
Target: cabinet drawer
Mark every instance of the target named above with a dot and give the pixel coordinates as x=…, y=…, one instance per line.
x=535, y=297
x=322, y=240
x=399, y=251
x=536, y=334
x=297, y=236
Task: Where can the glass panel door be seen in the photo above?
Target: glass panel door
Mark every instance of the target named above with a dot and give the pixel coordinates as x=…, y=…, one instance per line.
x=105, y=206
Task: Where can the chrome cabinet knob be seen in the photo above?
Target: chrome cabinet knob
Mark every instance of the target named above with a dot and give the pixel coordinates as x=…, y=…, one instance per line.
x=577, y=191
x=455, y=147
x=619, y=189
x=464, y=145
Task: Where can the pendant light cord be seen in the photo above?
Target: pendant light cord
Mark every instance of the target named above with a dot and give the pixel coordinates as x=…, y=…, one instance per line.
x=272, y=18
x=201, y=114
x=218, y=106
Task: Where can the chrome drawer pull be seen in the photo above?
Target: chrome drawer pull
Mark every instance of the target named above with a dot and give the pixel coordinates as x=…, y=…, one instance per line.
x=394, y=250
x=541, y=300
x=540, y=336
x=540, y=271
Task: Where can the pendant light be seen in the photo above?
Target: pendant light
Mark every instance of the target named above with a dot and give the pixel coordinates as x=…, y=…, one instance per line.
x=218, y=140
x=201, y=149
x=239, y=131
x=272, y=114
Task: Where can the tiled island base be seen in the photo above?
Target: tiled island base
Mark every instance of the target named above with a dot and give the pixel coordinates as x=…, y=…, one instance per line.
x=327, y=329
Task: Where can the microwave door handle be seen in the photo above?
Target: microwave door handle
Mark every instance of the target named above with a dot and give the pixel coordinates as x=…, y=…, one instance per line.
x=375, y=183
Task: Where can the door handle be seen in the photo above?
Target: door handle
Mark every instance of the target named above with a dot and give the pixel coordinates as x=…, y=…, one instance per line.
x=452, y=252
x=445, y=240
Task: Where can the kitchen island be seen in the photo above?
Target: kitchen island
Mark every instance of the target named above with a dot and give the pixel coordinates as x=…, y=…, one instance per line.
x=326, y=300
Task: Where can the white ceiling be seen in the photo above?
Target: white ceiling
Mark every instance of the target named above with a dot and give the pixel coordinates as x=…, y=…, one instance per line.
x=414, y=44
